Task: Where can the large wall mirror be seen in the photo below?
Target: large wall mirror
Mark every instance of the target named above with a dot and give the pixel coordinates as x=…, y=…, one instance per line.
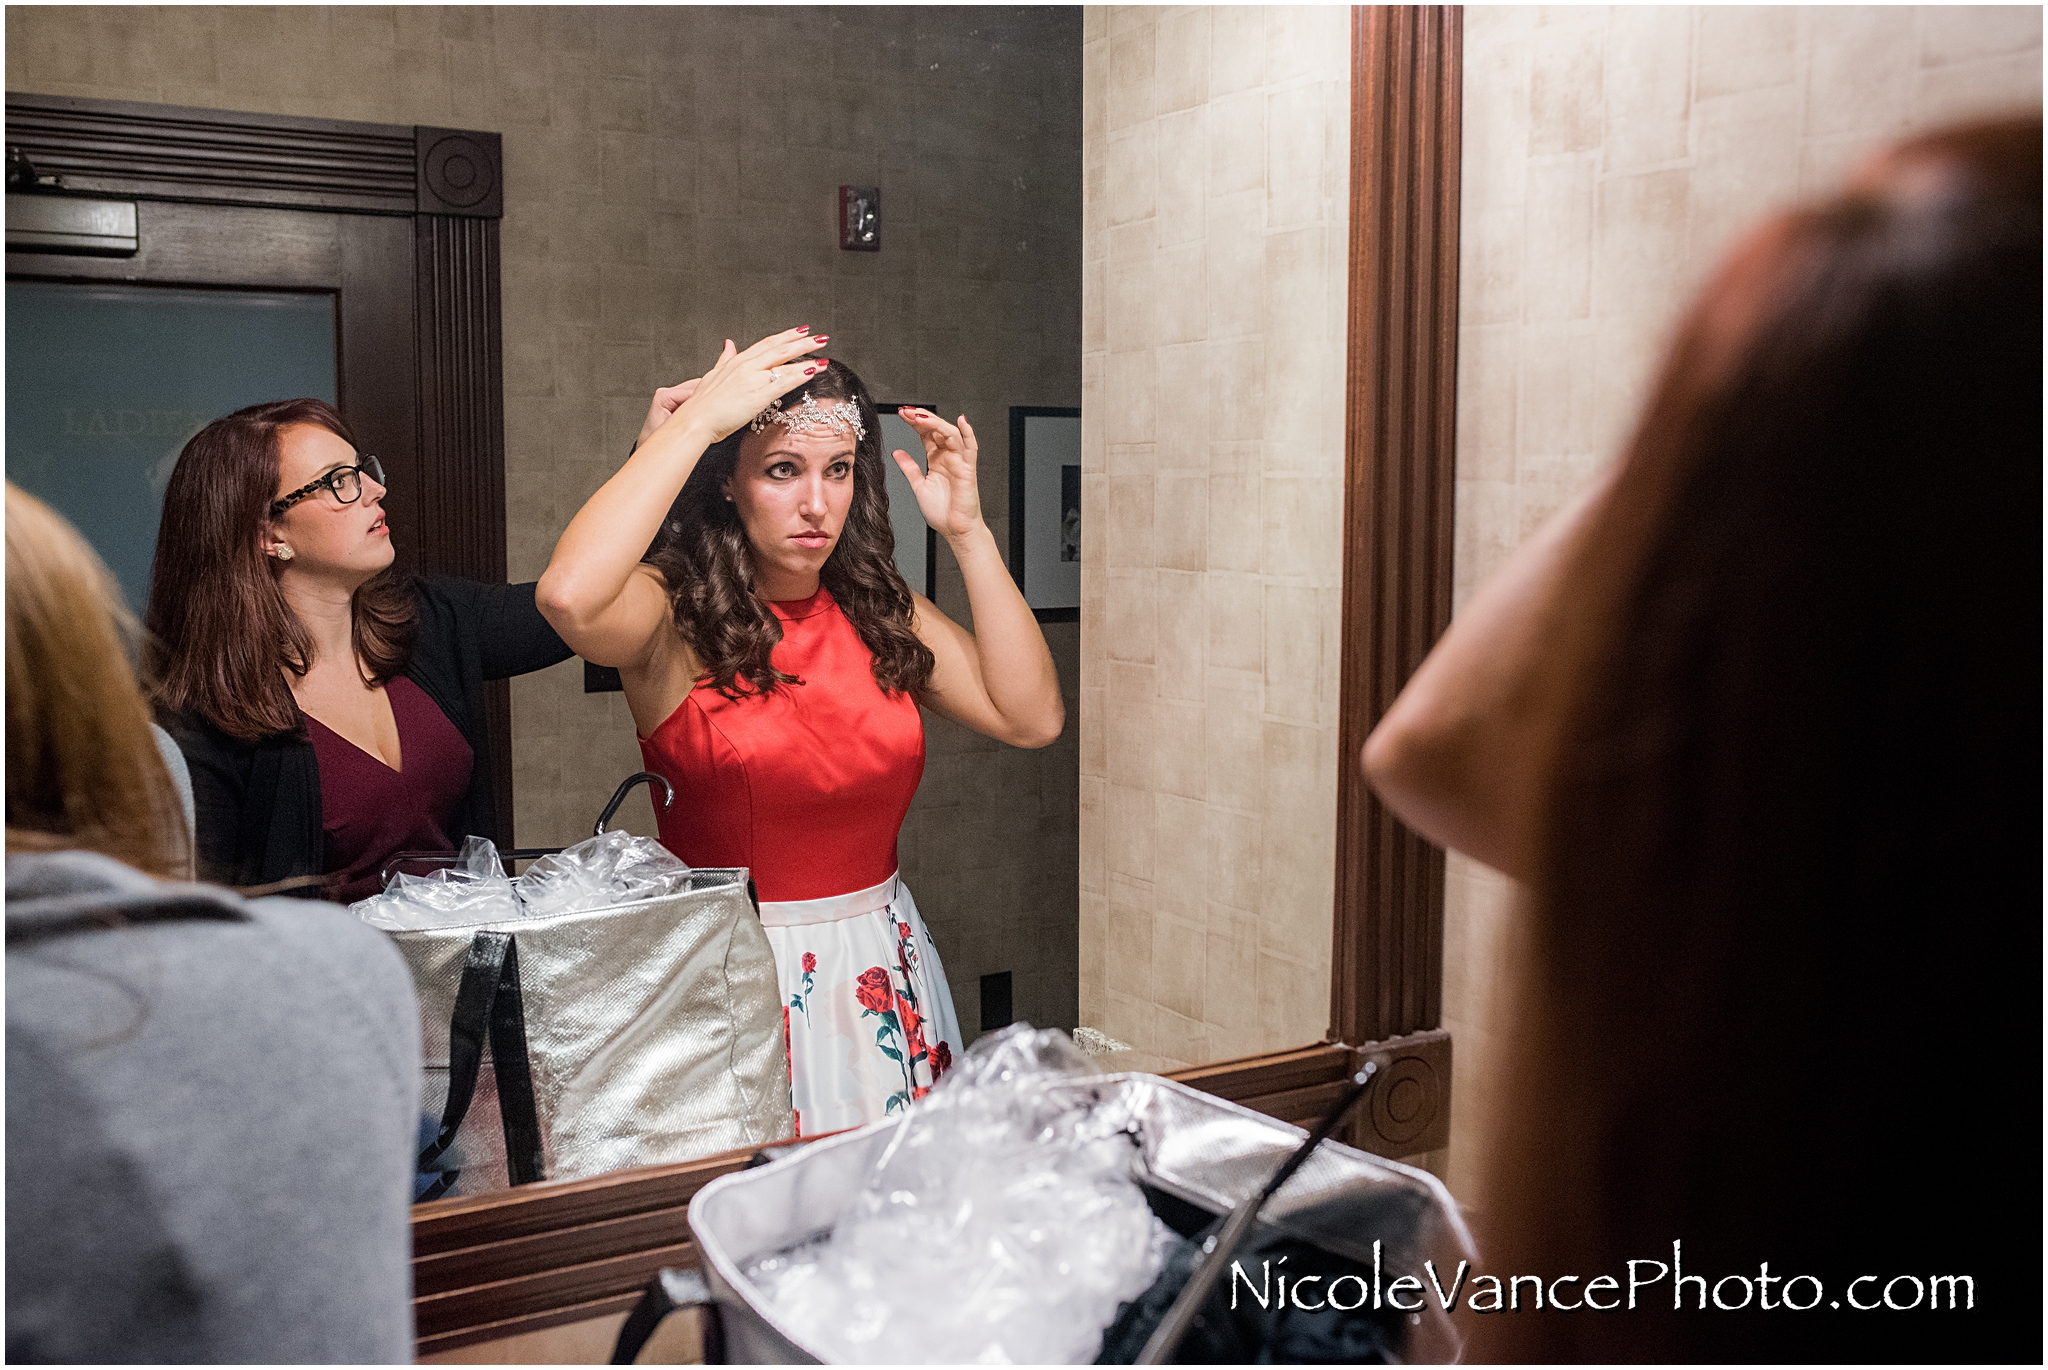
x=519, y=366
x=573, y=1255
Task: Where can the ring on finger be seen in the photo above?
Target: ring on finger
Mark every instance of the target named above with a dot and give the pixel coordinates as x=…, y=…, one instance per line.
x=775, y=375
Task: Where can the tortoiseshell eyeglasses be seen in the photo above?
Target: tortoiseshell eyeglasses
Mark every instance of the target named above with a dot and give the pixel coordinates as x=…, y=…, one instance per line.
x=345, y=481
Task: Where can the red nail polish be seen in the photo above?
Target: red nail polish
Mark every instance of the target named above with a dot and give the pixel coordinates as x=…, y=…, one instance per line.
x=823, y=337
x=805, y=329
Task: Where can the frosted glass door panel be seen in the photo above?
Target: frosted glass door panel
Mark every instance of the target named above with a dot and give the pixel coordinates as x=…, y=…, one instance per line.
x=106, y=383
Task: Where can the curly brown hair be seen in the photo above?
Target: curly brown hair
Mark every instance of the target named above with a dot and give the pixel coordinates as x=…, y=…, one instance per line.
x=704, y=555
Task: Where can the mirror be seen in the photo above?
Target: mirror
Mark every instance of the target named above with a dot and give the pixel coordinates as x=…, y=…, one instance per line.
x=981, y=275
x=655, y=196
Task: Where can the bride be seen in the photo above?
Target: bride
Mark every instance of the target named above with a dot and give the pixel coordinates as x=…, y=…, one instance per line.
x=774, y=662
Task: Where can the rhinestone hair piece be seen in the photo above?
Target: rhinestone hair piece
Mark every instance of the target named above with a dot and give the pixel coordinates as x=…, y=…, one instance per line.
x=812, y=417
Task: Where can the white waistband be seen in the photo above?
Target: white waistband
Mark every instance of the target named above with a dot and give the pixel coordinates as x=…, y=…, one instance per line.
x=795, y=912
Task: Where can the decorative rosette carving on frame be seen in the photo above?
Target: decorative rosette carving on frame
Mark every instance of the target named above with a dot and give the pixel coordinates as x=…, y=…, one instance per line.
x=460, y=173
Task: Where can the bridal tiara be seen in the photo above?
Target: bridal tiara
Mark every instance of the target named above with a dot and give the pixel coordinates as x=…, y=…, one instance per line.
x=812, y=417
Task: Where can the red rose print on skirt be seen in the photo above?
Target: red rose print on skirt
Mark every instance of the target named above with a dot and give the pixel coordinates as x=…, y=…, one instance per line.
x=874, y=991
x=877, y=1020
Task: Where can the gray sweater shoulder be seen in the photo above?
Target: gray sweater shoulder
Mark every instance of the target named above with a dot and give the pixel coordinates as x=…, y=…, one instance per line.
x=212, y=1110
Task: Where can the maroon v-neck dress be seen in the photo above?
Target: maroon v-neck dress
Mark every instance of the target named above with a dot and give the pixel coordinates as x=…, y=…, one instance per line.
x=369, y=812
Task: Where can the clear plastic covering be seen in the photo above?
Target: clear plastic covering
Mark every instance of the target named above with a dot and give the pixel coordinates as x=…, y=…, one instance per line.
x=473, y=890
x=612, y=868
x=1002, y=1224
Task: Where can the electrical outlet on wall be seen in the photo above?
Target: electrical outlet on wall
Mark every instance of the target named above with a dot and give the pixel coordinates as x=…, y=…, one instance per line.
x=995, y=1001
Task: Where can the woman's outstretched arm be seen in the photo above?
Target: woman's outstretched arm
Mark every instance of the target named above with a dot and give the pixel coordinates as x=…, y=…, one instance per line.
x=606, y=605
x=998, y=680
x=1461, y=754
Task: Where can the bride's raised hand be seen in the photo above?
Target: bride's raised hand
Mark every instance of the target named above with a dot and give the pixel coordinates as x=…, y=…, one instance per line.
x=740, y=385
x=667, y=400
x=947, y=493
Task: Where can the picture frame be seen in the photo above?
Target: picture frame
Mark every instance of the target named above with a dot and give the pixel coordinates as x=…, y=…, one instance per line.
x=1045, y=509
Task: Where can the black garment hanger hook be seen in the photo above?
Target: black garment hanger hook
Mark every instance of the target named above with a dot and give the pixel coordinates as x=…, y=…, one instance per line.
x=668, y=796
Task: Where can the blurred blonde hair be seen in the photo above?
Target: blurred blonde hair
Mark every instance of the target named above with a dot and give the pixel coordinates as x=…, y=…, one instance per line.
x=83, y=769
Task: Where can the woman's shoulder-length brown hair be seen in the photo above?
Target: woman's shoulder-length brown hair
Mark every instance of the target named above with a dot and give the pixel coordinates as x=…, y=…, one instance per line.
x=220, y=634
x=703, y=553
x=83, y=769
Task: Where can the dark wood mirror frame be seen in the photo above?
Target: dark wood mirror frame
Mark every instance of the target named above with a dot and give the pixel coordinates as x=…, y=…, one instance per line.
x=519, y=1261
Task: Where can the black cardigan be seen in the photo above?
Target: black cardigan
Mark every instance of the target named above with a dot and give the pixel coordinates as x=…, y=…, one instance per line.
x=258, y=803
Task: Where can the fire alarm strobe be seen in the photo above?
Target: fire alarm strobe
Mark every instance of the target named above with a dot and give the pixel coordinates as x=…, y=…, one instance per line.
x=860, y=218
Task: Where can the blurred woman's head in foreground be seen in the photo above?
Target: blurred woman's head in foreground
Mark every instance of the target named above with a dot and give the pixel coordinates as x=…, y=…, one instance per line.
x=83, y=769
x=1789, y=887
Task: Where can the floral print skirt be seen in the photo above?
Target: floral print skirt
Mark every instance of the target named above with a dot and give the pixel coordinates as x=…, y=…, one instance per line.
x=869, y=1016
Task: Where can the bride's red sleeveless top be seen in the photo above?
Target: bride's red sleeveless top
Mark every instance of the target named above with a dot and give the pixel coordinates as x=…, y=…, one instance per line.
x=808, y=785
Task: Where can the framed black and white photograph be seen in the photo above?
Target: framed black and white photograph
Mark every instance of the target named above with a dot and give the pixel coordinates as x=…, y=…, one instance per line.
x=1045, y=509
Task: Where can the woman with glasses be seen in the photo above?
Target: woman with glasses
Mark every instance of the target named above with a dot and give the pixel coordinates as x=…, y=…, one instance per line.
x=331, y=711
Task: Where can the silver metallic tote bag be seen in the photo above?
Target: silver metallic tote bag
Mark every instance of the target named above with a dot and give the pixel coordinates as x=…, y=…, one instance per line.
x=637, y=1034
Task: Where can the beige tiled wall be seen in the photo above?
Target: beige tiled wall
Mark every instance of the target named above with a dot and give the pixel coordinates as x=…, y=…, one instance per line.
x=1610, y=158
x=1216, y=154
x=670, y=180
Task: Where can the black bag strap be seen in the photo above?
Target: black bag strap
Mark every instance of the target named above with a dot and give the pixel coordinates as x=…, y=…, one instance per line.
x=666, y=1292
x=488, y=1002
x=517, y=1111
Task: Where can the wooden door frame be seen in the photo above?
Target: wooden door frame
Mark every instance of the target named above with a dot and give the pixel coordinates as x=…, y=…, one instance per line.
x=420, y=355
